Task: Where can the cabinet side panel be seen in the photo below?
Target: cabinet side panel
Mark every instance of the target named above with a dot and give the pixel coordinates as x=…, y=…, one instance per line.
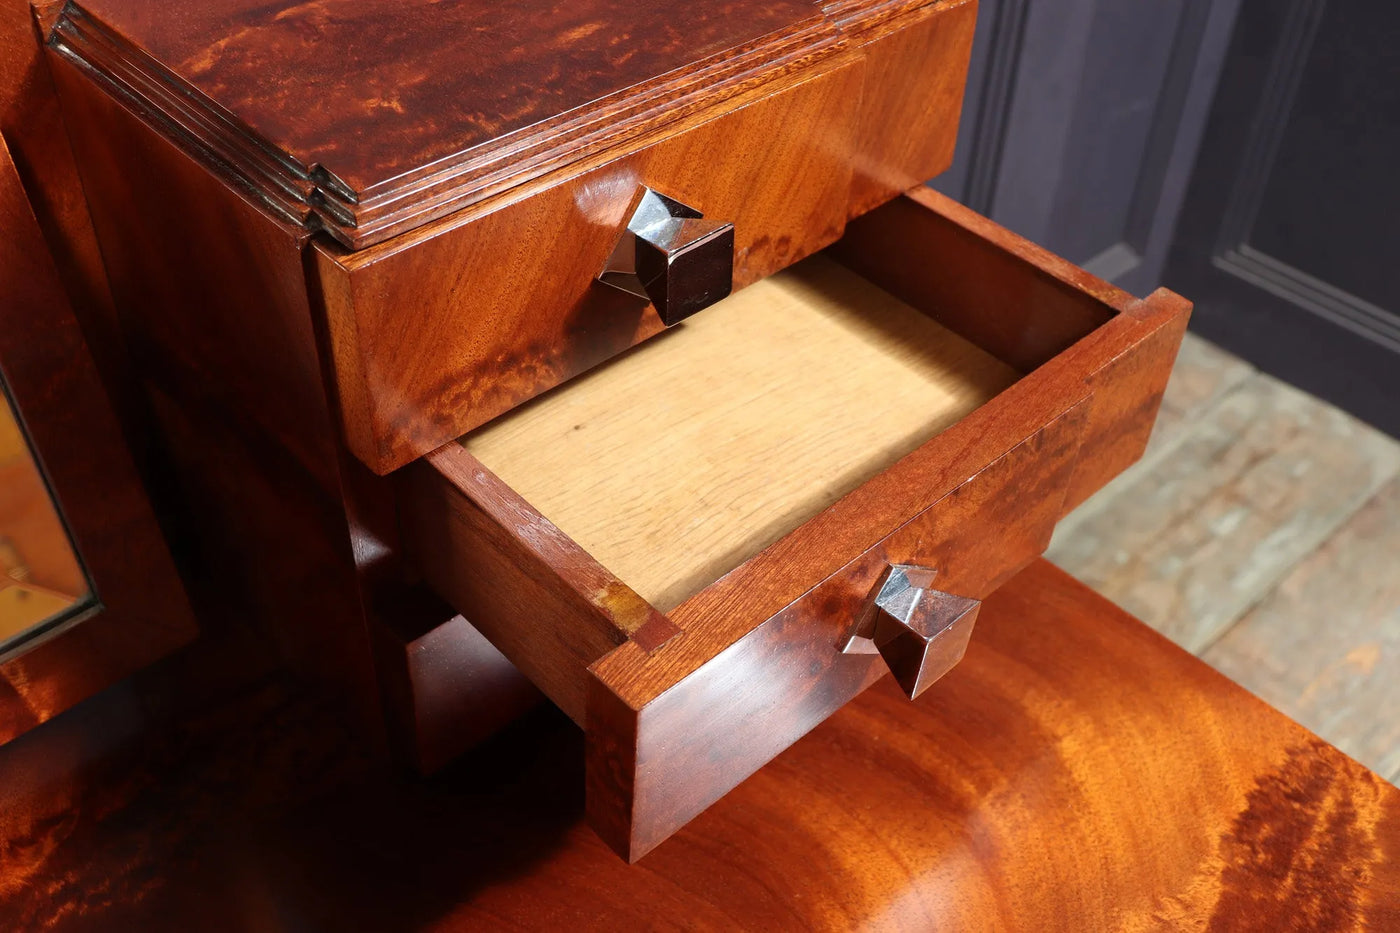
x=213, y=305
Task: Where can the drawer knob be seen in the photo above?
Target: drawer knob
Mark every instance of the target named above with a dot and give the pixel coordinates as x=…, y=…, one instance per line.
x=674, y=257
x=919, y=631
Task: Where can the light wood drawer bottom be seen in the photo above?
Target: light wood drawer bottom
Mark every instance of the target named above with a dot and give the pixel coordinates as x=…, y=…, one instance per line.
x=674, y=547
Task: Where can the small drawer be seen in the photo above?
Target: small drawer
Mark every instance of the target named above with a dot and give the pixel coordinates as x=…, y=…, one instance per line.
x=440, y=329
x=678, y=546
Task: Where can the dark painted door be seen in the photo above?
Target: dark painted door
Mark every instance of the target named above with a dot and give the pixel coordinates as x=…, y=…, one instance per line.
x=1289, y=240
x=1243, y=152
x=1081, y=122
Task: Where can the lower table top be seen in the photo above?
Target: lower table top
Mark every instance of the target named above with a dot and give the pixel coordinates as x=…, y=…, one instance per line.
x=1075, y=772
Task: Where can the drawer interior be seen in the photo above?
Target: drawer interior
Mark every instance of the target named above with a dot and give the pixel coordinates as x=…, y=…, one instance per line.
x=673, y=546
x=681, y=459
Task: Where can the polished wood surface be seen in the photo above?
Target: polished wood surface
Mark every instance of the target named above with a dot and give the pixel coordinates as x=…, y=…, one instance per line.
x=677, y=462
x=1035, y=788
x=214, y=306
x=424, y=108
x=446, y=688
x=914, y=78
x=32, y=123
x=1023, y=304
x=976, y=503
x=464, y=288
x=51, y=379
x=398, y=86
x=265, y=355
x=681, y=707
x=436, y=332
x=542, y=600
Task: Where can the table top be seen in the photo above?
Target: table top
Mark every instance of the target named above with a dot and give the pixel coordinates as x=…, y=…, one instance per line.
x=1075, y=772
x=371, y=89
x=370, y=117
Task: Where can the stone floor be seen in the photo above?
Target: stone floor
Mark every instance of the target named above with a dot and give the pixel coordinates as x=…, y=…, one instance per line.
x=1261, y=532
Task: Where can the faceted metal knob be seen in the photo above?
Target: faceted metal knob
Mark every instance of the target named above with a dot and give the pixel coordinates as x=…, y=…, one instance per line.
x=673, y=257
x=919, y=631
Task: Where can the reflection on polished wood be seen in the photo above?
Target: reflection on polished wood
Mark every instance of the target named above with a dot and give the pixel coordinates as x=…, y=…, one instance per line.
x=39, y=574
x=1034, y=788
x=69, y=421
x=679, y=461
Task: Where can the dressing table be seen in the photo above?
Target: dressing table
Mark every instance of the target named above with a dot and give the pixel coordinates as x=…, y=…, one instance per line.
x=513, y=366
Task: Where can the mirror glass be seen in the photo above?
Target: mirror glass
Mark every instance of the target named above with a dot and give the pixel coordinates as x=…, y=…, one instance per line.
x=42, y=582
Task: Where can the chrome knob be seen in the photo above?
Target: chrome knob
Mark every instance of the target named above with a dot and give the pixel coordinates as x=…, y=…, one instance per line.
x=674, y=257
x=921, y=632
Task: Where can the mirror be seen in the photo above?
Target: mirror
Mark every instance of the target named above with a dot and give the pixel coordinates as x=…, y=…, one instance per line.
x=42, y=581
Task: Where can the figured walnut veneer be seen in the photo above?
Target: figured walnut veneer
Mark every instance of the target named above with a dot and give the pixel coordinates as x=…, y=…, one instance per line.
x=1076, y=772
x=368, y=117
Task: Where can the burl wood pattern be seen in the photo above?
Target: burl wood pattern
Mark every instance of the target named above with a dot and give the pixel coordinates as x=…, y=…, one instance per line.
x=1036, y=788
x=690, y=703
x=52, y=381
x=503, y=298
x=368, y=118
x=783, y=119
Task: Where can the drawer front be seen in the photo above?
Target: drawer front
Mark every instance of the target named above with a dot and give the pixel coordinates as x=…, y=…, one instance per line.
x=448, y=333
x=437, y=331
x=657, y=759
x=680, y=706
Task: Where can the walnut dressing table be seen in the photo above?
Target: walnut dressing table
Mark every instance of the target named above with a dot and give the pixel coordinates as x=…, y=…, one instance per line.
x=614, y=352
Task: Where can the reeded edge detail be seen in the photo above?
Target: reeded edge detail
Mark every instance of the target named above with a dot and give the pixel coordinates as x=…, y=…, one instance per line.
x=315, y=197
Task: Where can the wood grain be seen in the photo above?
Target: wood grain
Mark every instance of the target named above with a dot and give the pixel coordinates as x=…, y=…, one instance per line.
x=1261, y=480
x=32, y=123
x=52, y=381
x=425, y=108
x=960, y=247
x=1201, y=378
x=1053, y=782
x=662, y=747
x=540, y=598
x=679, y=461
x=496, y=257
x=502, y=298
x=213, y=303
x=1324, y=645
x=418, y=104
x=914, y=81
x=752, y=660
x=446, y=688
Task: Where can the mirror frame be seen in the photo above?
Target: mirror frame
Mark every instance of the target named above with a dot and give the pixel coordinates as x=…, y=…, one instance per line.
x=138, y=611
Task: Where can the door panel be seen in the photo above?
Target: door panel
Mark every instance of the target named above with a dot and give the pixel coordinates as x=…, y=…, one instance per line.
x=1288, y=240
x=1081, y=122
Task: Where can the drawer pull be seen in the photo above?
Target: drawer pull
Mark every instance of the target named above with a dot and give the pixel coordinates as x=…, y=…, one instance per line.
x=671, y=255
x=919, y=631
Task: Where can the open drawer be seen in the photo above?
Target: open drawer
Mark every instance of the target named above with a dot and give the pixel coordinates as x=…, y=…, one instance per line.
x=680, y=547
